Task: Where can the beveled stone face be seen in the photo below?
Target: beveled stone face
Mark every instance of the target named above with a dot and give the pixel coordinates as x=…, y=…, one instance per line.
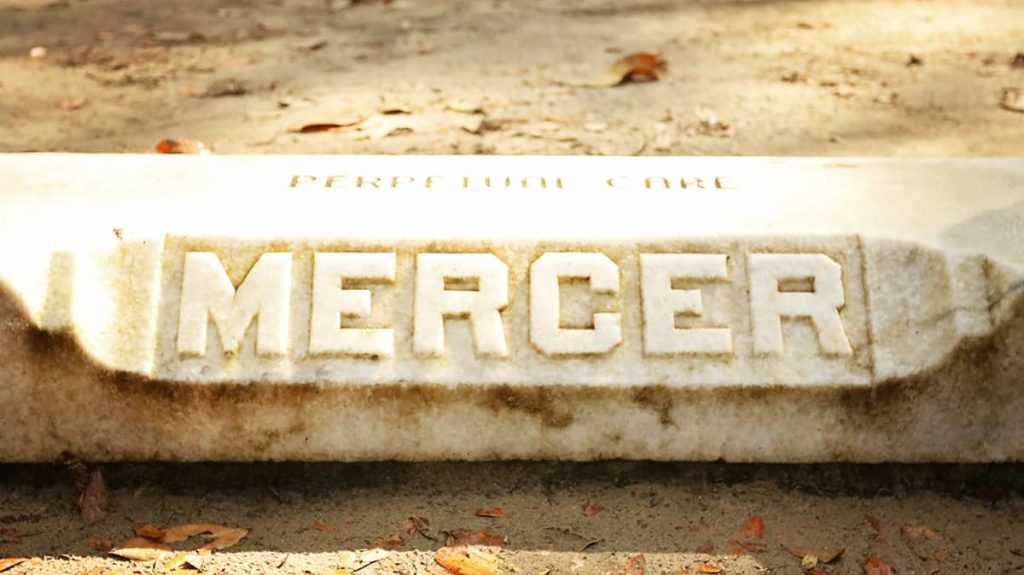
x=581, y=308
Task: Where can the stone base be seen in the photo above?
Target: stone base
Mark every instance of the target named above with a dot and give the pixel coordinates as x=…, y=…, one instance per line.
x=254, y=308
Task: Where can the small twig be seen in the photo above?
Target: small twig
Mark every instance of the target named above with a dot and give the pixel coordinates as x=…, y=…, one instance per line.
x=365, y=565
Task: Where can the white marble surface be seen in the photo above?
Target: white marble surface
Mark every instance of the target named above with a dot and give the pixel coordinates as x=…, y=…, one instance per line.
x=328, y=307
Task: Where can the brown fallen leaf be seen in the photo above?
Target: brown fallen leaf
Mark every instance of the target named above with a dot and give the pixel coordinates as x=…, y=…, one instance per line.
x=637, y=565
x=150, y=532
x=180, y=146
x=589, y=509
x=95, y=502
x=318, y=127
x=141, y=549
x=822, y=556
x=752, y=528
x=641, y=65
x=464, y=537
x=710, y=568
x=417, y=525
x=876, y=566
x=1013, y=100
x=389, y=543
x=493, y=513
x=9, y=562
x=911, y=531
x=874, y=522
x=318, y=526
x=220, y=537
x=466, y=561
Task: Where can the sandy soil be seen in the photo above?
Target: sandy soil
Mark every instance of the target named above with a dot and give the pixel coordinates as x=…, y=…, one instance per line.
x=783, y=77
x=787, y=77
x=680, y=517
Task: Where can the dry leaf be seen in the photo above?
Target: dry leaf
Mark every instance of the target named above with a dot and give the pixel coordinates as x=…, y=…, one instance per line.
x=589, y=509
x=317, y=127
x=710, y=568
x=822, y=556
x=642, y=65
x=94, y=503
x=637, y=565
x=389, y=543
x=467, y=561
x=463, y=537
x=752, y=528
x=874, y=522
x=9, y=562
x=876, y=566
x=318, y=526
x=417, y=525
x=920, y=531
x=492, y=513
x=1013, y=100
x=139, y=549
x=220, y=537
x=150, y=532
x=181, y=146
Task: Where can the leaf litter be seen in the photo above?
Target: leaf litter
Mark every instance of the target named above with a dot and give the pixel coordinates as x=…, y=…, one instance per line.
x=493, y=513
x=640, y=66
x=467, y=560
x=152, y=543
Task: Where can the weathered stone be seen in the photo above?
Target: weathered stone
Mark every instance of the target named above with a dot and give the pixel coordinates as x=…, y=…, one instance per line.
x=573, y=308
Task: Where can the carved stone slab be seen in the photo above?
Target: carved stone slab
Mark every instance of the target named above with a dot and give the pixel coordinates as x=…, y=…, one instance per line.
x=350, y=308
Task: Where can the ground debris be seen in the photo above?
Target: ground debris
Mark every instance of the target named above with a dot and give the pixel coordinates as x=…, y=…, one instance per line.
x=492, y=513
x=644, y=66
x=181, y=146
x=11, y=562
x=417, y=525
x=467, y=561
x=876, y=566
x=589, y=509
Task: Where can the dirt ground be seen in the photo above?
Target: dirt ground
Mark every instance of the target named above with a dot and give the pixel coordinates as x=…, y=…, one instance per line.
x=749, y=77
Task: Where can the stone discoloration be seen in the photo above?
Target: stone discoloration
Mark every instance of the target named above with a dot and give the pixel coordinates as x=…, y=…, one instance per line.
x=958, y=411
